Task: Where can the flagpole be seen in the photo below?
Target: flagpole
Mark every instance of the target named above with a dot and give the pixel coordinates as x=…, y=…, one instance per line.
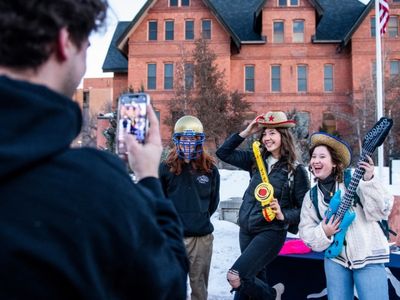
x=379, y=106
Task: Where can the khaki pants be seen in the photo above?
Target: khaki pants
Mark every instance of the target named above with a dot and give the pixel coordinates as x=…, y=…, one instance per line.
x=199, y=251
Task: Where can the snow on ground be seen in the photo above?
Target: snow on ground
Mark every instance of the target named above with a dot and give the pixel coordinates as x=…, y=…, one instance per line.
x=226, y=250
x=226, y=241
x=233, y=183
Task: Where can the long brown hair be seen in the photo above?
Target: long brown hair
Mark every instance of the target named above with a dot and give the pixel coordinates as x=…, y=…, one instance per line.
x=203, y=163
x=338, y=171
x=287, y=149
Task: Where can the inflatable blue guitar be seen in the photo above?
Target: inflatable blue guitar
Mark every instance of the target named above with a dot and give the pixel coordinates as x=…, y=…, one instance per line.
x=339, y=207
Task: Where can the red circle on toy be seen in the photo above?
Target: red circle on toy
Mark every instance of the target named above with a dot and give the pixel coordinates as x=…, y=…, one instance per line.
x=262, y=192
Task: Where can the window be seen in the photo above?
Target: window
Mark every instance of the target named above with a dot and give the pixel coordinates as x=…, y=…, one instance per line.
x=168, y=76
x=394, y=68
x=249, y=79
x=206, y=29
x=276, y=78
x=328, y=78
x=302, y=78
x=152, y=30
x=179, y=2
x=189, y=74
x=158, y=114
x=373, y=27
x=278, y=31
x=393, y=26
x=169, y=30
x=151, y=76
x=298, y=31
x=288, y=2
x=329, y=122
x=189, y=30
x=302, y=126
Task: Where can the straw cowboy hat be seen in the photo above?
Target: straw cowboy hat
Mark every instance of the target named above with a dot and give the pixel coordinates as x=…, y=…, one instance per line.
x=340, y=146
x=275, y=119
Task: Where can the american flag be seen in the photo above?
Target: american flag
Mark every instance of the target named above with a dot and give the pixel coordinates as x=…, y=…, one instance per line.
x=383, y=15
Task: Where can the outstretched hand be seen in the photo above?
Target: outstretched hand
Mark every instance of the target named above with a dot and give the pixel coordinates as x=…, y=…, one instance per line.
x=144, y=159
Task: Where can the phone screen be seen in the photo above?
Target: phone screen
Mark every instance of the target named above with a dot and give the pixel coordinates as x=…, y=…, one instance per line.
x=132, y=115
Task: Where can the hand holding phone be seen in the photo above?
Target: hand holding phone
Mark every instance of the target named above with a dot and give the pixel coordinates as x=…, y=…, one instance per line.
x=144, y=159
x=132, y=118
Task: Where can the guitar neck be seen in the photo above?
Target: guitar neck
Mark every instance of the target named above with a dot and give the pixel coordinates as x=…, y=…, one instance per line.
x=348, y=197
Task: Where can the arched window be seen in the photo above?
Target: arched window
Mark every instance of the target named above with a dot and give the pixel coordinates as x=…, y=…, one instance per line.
x=329, y=122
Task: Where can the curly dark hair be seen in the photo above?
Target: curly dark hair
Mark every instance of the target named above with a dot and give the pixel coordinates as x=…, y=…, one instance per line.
x=29, y=29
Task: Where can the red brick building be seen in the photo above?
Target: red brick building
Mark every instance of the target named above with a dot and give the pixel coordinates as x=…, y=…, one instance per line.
x=94, y=98
x=311, y=55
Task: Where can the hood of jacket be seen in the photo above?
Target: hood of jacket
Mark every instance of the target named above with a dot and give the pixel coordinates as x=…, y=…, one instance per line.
x=35, y=124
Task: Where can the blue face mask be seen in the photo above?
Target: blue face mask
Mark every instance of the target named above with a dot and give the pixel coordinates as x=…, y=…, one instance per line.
x=189, y=144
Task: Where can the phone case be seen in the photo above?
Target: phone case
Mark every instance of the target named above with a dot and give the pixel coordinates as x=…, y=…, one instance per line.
x=132, y=117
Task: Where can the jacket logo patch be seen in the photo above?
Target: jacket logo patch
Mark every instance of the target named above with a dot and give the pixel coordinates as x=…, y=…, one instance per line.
x=203, y=179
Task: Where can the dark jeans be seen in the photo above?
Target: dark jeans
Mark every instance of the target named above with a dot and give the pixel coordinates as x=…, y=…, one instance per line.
x=258, y=251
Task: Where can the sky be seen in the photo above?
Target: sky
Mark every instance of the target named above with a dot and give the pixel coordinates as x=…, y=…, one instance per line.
x=120, y=10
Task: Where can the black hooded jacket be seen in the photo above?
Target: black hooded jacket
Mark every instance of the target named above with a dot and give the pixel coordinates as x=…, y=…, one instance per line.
x=72, y=223
x=290, y=198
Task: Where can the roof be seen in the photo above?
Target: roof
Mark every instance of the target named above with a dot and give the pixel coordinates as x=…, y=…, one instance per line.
x=241, y=19
x=115, y=60
x=337, y=20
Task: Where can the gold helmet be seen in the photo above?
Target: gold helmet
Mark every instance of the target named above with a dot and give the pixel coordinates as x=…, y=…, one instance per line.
x=189, y=127
x=188, y=124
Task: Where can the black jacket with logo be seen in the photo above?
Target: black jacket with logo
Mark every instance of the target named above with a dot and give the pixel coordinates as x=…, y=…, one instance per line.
x=195, y=196
x=290, y=198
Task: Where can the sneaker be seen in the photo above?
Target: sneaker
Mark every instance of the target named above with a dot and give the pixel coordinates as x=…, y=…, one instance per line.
x=280, y=289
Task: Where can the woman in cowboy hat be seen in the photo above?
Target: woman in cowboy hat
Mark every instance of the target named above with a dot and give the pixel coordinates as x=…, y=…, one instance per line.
x=261, y=237
x=361, y=260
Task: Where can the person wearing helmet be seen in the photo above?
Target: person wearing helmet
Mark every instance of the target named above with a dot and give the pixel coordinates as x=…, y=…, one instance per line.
x=191, y=180
x=261, y=235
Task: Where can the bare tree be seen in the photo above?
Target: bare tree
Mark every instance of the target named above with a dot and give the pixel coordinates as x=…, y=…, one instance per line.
x=364, y=114
x=300, y=133
x=237, y=107
x=182, y=102
x=207, y=97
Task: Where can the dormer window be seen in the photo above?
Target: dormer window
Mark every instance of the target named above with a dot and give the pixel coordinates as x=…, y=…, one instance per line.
x=179, y=3
x=288, y=3
x=298, y=31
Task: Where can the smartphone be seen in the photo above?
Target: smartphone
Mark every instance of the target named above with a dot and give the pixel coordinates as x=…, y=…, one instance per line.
x=132, y=117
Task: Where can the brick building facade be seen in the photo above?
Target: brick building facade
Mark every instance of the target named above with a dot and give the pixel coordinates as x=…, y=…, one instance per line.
x=94, y=98
x=312, y=55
